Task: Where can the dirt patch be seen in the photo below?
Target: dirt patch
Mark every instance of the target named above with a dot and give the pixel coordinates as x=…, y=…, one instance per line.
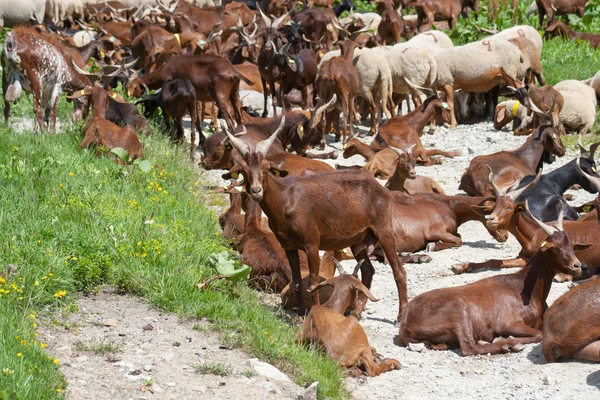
x=117, y=347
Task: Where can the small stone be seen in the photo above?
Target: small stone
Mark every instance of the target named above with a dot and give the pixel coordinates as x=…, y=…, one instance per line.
x=122, y=334
x=110, y=322
x=176, y=344
x=81, y=359
x=489, y=139
x=416, y=347
x=470, y=150
x=171, y=384
x=310, y=393
x=110, y=357
x=167, y=356
x=147, y=368
x=371, y=311
x=267, y=370
x=135, y=372
x=546, y=380
x=148, y=327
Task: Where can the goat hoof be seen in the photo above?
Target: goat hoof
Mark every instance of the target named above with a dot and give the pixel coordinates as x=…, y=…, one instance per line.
x=497, y=339
x=517, y=348
x=482, y=342
x=430, y=247
x=458, y=269
x=572, y=285
x=335, y=154
x=505, y=348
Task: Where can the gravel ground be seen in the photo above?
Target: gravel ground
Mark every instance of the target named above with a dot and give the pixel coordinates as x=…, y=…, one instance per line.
x=445, y=374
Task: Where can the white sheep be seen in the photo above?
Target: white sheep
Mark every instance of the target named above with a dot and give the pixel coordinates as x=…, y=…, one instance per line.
x=17, y=12
x=579, y=87
x=370, y=20
x=508, y=111
x=432, y=40
x=594, y=83
x=375, y=81
x=476, y=67
x=525, y=31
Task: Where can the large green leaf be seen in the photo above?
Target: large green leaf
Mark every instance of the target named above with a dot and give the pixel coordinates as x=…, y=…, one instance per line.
x=229, y=268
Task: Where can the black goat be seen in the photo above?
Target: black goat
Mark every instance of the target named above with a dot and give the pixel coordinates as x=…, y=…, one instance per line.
x=123, y=114
x=176, y=99
x=297, y=72
x=546, y=198
x=345, y=5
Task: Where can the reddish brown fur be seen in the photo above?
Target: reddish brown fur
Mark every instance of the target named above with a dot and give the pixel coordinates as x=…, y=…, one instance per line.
x=511, y=166
x=405, y=178
x=551, y=8
x=432, y=10
x=492, y=308
x=572, y=325
x=344, y=340
x=391, y=27
x=559, y=28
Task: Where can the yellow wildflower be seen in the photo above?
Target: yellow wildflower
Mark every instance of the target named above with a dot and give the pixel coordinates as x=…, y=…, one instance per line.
x=55, y=361
x=19, y=354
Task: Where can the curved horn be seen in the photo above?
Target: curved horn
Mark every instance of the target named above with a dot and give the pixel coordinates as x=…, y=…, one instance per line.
x=279, y=20
x=593, y=148
x=561, y=215
x=547, y=228
x=537, y=110
x=514, y=89
x=274, y=47
x=146, y=88
x=355, y=272
x=582, y=150
x=497, y=189
x=339, y=266
x=312, y=41
x=268, y=22
x=397, y=150
x=320, y=111
x=410, y=148
x=594, y=180
x=81, y=70
x=514, y=193
x=264, y=145
x=240, y=145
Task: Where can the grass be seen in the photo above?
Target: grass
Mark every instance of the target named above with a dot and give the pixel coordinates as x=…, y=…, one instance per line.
x=97, y=348
x=217, y=369
x=71, y=221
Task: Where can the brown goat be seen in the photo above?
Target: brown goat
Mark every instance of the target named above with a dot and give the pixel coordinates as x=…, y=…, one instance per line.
x=507, y=215
x=552, y=8
x=559, y=28
x=572, y=325
x=511, y=166
x=213, y=77
x=100, y=132
x=305, y=214
x=448, y=10
x=338, y=77
x=405, y=178
x=391, y=27
x=344, y=340
x=539, y=99
x=506, y=309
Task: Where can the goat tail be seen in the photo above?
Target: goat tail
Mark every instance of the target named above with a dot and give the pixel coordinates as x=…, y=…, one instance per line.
x=246, y=80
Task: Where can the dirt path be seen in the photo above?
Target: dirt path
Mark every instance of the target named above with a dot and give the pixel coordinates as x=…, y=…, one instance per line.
x=117, y=347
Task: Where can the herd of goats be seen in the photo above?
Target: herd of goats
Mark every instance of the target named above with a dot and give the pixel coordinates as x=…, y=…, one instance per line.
x=317, y=74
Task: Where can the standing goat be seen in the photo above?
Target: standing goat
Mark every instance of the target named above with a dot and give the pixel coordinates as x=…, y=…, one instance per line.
x=344, y=340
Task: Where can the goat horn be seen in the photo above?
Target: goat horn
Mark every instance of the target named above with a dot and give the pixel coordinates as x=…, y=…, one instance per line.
x=593, y=150
x=80, y=70
x=514, y=193
x=514, y=89
x=338, y=27
x=146, y=88
x=536, y=109
x=279, y=20
x=594, y=180
x=240, y=145
x=561, y=215
x=312, y=41
x=321, y=110
x=497, y=189
x=274, y=47
x=264, y=145
x=547, y=228
x=339, y=266
x=266, y=20
x=410, y=148
x=355, y=272
x=397, y=150
x=582, y=150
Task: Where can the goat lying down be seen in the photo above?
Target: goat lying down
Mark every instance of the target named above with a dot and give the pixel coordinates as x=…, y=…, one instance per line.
x=505, y=309
x=343, y=338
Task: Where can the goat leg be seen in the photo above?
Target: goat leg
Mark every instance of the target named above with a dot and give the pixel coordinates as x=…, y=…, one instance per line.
x=490, y=264
x=366, y=271
x=294, y=260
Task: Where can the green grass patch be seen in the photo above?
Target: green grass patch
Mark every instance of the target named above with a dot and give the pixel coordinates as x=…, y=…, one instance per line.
x=217, y=369
x=97, y=348
x=71, y=221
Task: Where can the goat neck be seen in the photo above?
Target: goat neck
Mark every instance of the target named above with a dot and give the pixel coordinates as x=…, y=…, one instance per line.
x=253, y=219
x=99, y=102
x=561, y=179
x=343, y=295
x=531, y=152
x=418, y=118
x=355, y=146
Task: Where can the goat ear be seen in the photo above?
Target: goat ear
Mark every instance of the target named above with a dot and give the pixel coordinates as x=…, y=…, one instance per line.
x=80, y=93
x=292, y=65
x=520, y=207
x=500, y=114
x=359, y=286
x=581, y=246
x=234, y=173
x=280, y=173
x=545, y=246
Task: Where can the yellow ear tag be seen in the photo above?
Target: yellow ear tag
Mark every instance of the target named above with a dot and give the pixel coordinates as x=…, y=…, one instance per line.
x=178, y=38
x=113, y=95
x=234, y=175
x=594, y=169
x=129, y=93
x=519, y=208
x=554, y=136
x=301, y=128
x=515, y=108
x=82, y=92
x=277, y=173
x=586, y=209
x=543, y=244
x=102, y=54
